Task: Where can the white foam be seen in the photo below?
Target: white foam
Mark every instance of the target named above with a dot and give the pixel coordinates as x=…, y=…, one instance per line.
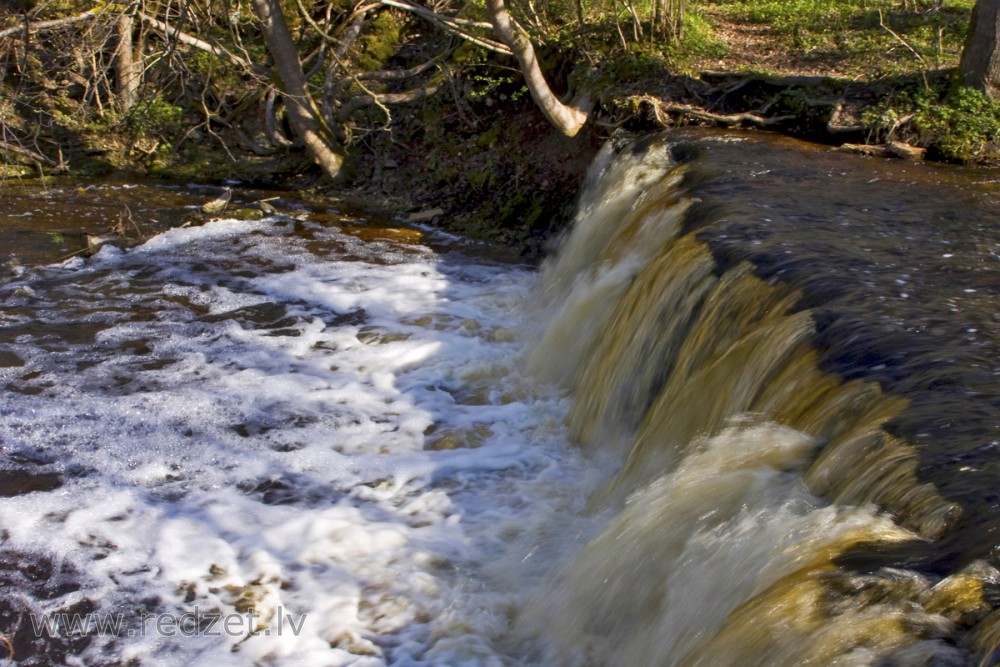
x=211, y=451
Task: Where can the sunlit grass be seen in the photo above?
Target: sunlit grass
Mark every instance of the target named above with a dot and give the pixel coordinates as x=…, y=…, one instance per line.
x=879, y=37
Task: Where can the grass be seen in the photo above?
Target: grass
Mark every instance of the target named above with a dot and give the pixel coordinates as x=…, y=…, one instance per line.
x=850, y=37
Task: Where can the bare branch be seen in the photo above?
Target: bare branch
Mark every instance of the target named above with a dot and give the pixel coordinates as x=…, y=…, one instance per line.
x=399, y=74
x=426, y=13
x=47, y=25
x=725, y=120
x=452, y=25
x=303, y=115
x=34, y=156
x=382, y=100
x=567, y=118
x=270, y=122
x=355, y=23
x=902, y=41
x=184, y=38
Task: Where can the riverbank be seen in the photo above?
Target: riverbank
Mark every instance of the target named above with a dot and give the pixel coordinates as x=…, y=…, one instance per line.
x=475, y=156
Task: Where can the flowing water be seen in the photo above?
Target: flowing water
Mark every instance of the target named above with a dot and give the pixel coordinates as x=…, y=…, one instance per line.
x=746, y=415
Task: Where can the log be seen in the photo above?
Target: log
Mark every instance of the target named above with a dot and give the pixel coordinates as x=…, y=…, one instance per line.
x=904, y=151
x=863, y=149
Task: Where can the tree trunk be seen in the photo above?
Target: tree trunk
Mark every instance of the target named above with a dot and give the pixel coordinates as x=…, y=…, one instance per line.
x=980, y=66
x=127, y=70
x=302, y=114
x=568, y=119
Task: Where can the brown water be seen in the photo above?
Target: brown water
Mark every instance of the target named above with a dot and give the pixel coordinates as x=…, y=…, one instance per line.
x=715, y=285
x=900, y=267
x=43, y=221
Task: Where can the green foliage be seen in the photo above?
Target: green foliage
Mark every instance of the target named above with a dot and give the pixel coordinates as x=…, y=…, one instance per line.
x=698, y=40
x=154, y=116
x=963, y=127
x=492, y=83
x=628, y=66
x=213, y=68
x=797, y=18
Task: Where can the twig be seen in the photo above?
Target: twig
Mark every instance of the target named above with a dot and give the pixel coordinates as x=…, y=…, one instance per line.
x=902, y=41
x=185, y=38
x=453, y=25
x=54, y=23
x=899, y=122
x=400, y=74
x=636, y=25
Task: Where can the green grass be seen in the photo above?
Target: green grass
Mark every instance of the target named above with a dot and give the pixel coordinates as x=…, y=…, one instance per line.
x=852, y=35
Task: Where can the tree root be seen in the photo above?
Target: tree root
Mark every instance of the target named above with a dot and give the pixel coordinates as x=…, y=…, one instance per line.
x=662, y=109
x=37, y=157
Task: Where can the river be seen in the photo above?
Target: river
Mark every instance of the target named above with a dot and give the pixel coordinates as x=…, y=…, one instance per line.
x=747, y=414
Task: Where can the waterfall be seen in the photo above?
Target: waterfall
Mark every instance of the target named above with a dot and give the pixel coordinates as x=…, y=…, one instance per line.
x=744, y=471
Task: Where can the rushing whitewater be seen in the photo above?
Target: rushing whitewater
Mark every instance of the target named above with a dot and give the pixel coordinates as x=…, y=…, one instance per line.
x=357, y=450
x=276, y=418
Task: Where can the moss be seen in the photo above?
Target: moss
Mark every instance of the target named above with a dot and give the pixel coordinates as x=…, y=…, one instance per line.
x=247, y=214
x=488, y=139
x=16, y=171
x=380, y=41
x=154, y=116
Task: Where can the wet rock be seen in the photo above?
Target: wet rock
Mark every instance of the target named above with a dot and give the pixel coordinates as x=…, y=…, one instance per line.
x=426, y=216
x=863, y=149
x=97, y=241
x=961, y=597
x=9, y=359
x=896, y=149
x=219, y=204
x=248, y=214
x=19, y=481
x=438, y=438
x=379, y=336
x=270, y=316
x=265, y=207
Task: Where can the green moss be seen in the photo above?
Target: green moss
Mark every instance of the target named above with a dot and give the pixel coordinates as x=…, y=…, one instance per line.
x=380, y=41
x=488, y=139
x=247, y=214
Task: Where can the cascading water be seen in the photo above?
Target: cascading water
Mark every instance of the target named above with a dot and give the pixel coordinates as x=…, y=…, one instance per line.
x=746, y=468
x=737, y=419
